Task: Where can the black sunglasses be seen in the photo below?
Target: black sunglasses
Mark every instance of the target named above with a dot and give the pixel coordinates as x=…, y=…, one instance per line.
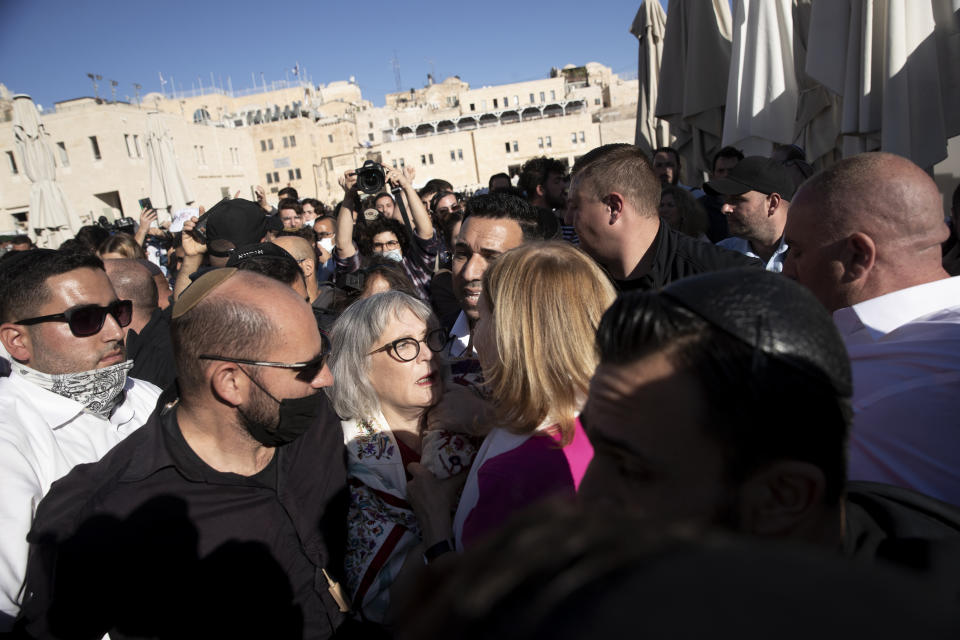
x=306, y=371
x=87, y=320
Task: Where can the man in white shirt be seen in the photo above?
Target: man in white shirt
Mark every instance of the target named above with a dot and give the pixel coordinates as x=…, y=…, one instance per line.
x=68, y=399
x=756, y=198
x=865, y=238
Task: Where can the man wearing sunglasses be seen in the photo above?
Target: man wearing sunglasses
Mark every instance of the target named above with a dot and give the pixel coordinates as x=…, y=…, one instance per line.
x=225, y=515
x=68, y=399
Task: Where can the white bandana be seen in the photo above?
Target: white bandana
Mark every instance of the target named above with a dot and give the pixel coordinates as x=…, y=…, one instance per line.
x=98, y=390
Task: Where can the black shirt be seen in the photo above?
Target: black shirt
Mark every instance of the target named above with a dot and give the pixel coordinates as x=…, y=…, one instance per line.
x=152, y=351
x=677, y=256
x=153, y=542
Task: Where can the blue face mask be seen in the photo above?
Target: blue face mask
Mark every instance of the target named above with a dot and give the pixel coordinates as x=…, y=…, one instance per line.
x=393, y=254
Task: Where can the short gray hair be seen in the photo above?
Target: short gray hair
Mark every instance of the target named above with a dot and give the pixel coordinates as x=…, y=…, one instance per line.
x=354, y=336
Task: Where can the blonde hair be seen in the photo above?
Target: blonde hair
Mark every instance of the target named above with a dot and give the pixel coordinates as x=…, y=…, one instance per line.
x=547, y=299
x=123, y=244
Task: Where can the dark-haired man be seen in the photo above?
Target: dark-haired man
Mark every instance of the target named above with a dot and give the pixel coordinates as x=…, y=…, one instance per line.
x=21, y=243
x=544, y=185
x=499, y=181
x=290, y=213
x=666, y=165
x=725, y=160
x=68, y=399
x=311, y=209
x=756, y=196
x=383, y=202
x=724, y=400
x=613, y=203
x=231, y=499
x=493, y=224
x=148, y=335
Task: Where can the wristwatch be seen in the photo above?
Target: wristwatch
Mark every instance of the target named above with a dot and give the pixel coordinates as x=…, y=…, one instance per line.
x=435, y=551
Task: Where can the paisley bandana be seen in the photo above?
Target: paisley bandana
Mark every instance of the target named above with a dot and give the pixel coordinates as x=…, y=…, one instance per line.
x=98, y=390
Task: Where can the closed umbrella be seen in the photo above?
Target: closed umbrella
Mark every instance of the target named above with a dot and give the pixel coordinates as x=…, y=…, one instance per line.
x=49, y=220
x=168, y=190
x=818, y=110
x=881, y=57
x=762, y=91
x=693, y=79
x=649, y=26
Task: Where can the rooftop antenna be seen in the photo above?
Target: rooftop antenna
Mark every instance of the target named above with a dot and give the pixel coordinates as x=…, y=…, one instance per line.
x=162, y=84
x=94, y=77
x=113, y=89
x=396, y=72
x=136, y=91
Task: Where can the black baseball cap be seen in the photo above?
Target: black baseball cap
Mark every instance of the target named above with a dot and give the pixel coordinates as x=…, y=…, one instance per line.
x=240, y=221
x=754, y=173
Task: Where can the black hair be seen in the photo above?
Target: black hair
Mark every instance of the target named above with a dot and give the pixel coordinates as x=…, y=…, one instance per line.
x=726, y=152
x=438, y=196
x=22, y=239
x=381, y=225
x=762, y=408
x=23, y=278
x=288, y=192
x=290, y=203
x=504, y=206
x=498, y=176
x=316, y=204
x=535, y=172
x=434, y=185
x=92, y=236
x=281, y=268
x=670, y=151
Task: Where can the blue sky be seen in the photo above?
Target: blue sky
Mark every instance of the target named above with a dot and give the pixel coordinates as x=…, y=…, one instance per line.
x=47, y=48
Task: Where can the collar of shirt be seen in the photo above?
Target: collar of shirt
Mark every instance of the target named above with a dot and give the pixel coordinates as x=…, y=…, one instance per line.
x=57, y=410
x=165, y=446
x=461, y=337
x=742, y=245
x=872, y=319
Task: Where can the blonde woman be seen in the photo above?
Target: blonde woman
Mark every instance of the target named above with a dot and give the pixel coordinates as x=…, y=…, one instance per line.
x=539, y=311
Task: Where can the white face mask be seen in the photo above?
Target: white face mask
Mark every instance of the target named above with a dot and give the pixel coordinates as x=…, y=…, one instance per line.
x=327, y=244
x=309, y=223
x=98, y=390
x=393, y=254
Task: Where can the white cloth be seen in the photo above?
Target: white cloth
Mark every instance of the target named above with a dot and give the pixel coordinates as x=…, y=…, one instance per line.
x=881, y=57
x=693, y=80
x=461, y=338
x=649, y=26
x=905, y=352
x=762, y=92
x=49, y=208
x=42, y=437
x=740, y=245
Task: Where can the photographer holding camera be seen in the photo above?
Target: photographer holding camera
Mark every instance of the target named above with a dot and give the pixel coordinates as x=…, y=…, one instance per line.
x=415, y=249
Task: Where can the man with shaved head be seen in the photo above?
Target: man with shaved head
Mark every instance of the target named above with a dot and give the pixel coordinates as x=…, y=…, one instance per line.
x=225, y=516
x=148, y=334
x=865, y=238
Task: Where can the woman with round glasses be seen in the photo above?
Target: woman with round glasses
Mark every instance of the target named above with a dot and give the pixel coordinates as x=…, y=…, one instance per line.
x=539, y=310
x=387, y=372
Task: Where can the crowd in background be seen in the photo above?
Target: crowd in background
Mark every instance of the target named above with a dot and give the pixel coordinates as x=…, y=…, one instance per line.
x=584, y=400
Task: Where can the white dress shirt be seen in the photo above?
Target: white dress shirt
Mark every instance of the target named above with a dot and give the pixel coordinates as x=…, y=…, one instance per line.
x=42, y=437
x=905, y=352
x=460, y=338
x=740, y=245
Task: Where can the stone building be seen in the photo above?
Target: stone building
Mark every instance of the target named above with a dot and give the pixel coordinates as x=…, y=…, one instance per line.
x=306, y=136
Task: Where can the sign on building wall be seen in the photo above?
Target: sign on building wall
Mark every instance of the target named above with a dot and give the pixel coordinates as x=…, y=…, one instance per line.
x=281, y=163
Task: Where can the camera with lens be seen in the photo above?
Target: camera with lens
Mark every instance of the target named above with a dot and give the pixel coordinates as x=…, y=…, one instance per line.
x=123, y=225
x=370, y=177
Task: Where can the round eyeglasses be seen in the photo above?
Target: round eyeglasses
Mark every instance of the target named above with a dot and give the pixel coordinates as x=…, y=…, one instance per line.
x=87, y=320
x=407, y=349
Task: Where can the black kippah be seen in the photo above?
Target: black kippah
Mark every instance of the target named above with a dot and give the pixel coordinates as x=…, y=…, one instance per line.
x=772, y=314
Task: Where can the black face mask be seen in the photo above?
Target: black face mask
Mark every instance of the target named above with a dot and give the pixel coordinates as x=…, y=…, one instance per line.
x=296, y=416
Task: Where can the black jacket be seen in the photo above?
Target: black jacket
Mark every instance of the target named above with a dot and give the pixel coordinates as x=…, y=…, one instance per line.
x=152, y=542
x=677, y=256
x=152, y=351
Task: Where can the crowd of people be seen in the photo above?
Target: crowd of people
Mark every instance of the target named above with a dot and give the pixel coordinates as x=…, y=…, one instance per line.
x=556, y=408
